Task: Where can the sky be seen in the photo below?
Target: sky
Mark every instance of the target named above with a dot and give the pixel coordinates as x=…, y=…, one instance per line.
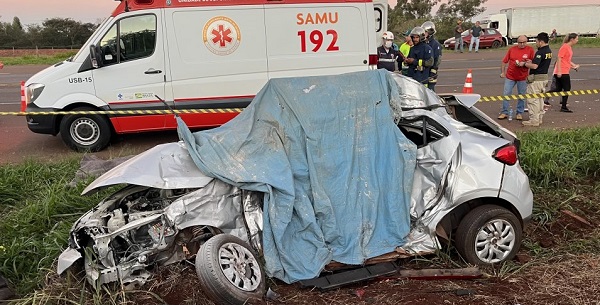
x=36, y=11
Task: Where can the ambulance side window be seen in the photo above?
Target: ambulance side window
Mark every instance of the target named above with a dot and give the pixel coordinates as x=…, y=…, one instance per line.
x=129, y=39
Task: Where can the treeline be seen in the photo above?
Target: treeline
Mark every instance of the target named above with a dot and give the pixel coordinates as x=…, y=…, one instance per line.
x=54, y=32
x=410, y=13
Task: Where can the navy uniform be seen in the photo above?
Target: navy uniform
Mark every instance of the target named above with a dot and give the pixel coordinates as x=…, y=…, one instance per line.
x=420, y=57
x=429, y=28
x=388, y=58
x=437, y=58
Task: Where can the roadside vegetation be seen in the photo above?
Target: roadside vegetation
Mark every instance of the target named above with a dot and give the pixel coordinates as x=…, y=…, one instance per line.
x=561, y=246
x=36, y=59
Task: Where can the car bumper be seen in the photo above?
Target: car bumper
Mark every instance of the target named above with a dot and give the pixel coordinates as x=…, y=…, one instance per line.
x=41, y=123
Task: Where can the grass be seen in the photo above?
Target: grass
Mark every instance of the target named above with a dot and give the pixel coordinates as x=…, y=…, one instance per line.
x=37, y=209
x=36, y=59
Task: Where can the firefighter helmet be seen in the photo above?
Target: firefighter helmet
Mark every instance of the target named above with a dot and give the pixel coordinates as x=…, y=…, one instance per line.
x=418, y=31
x=429, y=27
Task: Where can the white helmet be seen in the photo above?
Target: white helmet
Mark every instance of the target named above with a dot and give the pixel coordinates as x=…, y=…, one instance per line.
x=388, y=35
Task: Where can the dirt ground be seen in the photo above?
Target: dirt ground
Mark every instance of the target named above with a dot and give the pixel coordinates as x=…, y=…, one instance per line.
x=562, y=278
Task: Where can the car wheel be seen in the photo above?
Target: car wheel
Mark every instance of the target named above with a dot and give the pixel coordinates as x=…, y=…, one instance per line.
x=229, y=271
x=496, y=44
x=85, y=132
x=488, y=235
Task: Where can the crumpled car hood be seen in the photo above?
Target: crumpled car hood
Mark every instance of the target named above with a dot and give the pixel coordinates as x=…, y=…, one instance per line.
x=172, y=168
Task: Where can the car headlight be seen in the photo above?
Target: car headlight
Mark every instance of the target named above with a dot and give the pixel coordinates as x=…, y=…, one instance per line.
x=33, y=92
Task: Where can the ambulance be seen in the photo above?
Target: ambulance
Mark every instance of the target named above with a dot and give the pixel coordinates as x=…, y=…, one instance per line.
x=209, y=56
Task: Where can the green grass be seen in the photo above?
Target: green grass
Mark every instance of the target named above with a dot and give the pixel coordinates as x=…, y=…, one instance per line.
x=37, y=210
x=36, y=59
x=551, y=158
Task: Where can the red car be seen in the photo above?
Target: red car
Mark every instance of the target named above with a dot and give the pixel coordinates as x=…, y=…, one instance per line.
x=490, y=38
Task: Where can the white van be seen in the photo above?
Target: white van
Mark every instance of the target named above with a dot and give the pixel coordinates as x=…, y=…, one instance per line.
x=196, y=54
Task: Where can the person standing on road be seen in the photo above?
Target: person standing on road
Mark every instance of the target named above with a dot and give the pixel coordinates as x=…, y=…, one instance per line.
x=429, y=28
x=475, y=33
x=562, y=68
x=516, y=74
x=386, y=53
x=538, y=79
x=420, y=57
x=458, y=41
x=553, y=35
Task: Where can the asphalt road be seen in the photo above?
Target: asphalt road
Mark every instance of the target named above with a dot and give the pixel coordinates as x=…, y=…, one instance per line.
x=18, y=143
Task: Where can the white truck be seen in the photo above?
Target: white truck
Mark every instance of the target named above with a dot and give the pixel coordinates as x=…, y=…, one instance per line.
x=529, y=21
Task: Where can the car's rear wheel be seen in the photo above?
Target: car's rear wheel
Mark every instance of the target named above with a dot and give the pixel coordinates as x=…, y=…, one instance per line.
x=496, y=44
x=488, y=235
x=229, y=270
x=84, y=131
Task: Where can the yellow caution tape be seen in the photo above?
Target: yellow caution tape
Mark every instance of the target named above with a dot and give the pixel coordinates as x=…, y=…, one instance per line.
x=129, y=112
x=238, y=110
x=536, y=95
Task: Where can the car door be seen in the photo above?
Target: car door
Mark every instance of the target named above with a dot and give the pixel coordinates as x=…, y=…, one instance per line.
x=437, y=155
x=486, y=39
x=133, y=70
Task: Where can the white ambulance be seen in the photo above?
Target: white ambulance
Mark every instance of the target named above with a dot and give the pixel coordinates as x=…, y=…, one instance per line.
x=208, y=55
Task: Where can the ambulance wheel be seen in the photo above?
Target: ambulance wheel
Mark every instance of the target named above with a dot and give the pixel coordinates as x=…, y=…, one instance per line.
x=85, y=132
x=496, y=44
x=229, y=271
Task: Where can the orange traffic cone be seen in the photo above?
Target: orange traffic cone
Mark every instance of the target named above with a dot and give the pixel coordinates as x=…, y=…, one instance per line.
x=468, y=88
x=23, y=103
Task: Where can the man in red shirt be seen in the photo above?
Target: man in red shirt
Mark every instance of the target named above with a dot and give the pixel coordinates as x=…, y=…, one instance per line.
x=516, y=74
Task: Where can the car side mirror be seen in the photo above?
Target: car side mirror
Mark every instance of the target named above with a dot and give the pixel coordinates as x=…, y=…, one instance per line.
x=96, y=56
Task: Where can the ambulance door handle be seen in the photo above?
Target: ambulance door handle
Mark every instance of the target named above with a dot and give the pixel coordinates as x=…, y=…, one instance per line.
x=153, y=71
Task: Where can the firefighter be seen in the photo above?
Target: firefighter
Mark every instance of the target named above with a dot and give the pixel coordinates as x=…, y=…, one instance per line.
x=420, y=57
x=429, y=28
x=388, y=56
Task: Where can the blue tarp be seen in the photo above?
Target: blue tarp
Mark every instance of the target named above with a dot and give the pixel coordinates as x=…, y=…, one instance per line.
x=336, y=170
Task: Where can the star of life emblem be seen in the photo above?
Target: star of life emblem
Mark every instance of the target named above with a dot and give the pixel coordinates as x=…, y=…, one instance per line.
x=221, y=35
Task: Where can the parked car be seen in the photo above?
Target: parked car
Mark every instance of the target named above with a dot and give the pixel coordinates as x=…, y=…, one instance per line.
x=490, y=38
x=467, y=188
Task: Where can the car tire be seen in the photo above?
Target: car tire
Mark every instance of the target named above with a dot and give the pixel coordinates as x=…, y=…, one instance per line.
x=496, y=44
x=85, y=132
x=229, y=271
x=488, y=235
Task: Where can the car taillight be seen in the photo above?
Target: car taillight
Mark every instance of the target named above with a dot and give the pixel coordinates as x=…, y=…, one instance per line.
x=373, y=59
x=507, y=154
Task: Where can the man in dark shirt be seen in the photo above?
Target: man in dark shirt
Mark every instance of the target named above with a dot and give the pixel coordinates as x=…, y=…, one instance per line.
x=538, y=79
x=458, y=40
x=436, y=47
x=420, y=57
x=475, y=33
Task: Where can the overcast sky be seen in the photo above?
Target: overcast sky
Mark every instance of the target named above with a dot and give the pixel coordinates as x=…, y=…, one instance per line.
x=36, y=11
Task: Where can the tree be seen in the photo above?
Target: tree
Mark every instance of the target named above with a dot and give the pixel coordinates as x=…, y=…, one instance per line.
x=416, y=9
x=465, y=9
x=65, y=32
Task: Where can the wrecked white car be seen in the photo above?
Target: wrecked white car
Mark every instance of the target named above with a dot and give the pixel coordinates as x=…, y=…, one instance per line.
x=354, y=169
